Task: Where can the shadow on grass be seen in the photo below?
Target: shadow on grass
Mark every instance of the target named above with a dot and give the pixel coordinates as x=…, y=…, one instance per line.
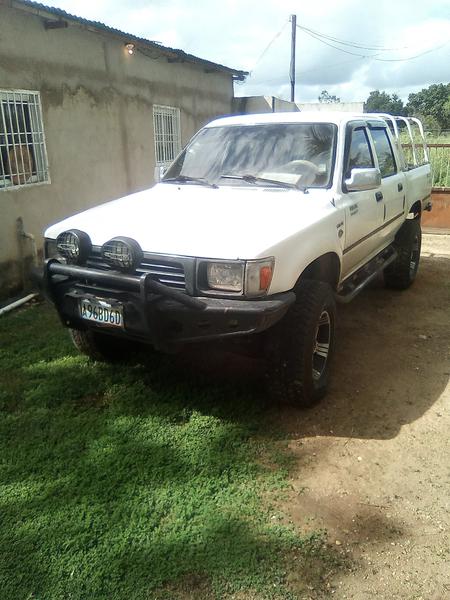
x=118, y=480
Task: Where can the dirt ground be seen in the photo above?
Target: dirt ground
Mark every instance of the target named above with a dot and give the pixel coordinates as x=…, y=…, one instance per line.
x=372, y=461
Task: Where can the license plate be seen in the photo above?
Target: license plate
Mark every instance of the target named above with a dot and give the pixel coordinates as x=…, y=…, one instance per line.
x=99, y=311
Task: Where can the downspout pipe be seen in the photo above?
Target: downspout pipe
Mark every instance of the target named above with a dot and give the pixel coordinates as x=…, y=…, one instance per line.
x=16, y=304
x=23, y=235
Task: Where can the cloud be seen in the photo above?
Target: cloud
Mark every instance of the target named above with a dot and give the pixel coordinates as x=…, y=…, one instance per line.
x=236, y=32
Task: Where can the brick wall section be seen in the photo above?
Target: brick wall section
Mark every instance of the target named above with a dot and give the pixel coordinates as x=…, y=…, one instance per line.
x=439, y=217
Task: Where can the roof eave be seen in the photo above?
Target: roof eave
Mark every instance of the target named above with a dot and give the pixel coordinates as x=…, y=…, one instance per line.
x=171, y=53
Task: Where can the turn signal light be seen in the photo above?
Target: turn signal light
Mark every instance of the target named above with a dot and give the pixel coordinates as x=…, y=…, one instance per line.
x=265, y=277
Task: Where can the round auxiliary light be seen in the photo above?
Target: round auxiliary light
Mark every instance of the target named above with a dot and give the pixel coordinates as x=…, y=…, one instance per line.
x=74, y=245
x=122, y=253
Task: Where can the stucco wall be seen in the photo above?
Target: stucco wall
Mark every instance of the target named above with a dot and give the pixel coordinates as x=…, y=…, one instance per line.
x=356, y=107
x=262, y=104
x=97, y=104
x=439, y=217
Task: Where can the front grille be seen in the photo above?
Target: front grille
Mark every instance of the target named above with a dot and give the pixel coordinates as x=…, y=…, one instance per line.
x=168, y=272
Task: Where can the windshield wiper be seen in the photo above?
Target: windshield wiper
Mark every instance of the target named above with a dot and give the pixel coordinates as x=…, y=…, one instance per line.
x=248, y=178
x=189, y=179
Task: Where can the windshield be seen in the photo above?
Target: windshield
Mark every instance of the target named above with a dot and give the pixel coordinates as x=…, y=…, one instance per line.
x=299, y=154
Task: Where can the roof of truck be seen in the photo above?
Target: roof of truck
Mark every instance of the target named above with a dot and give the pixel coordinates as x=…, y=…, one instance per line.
x=336, y=117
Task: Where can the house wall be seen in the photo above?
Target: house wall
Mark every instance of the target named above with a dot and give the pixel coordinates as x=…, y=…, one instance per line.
x=356, y=107
x=97, y=105
x=265, y=104
x=262, y=104
x=439, y=217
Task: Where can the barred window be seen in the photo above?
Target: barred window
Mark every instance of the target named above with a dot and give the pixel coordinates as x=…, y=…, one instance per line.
x=23, y=156
x=166, y=124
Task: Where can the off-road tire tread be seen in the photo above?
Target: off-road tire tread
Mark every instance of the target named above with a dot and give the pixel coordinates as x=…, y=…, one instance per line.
x=291, y=338
x=397, y=275
x=92, y=345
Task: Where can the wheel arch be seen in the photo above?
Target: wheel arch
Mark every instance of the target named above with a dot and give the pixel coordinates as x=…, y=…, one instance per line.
x=326, y=268
x=415, y=211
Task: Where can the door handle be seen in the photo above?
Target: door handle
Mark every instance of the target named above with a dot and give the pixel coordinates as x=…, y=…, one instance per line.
x=400, y=187
x=379, y=196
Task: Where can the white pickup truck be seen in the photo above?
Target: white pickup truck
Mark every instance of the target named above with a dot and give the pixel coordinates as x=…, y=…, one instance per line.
x=256, y=229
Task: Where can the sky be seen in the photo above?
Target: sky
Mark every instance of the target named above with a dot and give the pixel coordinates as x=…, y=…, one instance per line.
x=406, y=43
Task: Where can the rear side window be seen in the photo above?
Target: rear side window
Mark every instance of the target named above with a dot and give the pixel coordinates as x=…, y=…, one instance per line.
x=386, y=160
x=360, y=154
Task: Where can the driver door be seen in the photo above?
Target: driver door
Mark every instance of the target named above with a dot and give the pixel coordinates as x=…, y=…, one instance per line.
x=363, y=214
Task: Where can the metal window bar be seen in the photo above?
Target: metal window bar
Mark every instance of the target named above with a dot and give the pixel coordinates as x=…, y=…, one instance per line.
x=166, y=123
x=440, y=163
x=439, y=157
x=23, y=155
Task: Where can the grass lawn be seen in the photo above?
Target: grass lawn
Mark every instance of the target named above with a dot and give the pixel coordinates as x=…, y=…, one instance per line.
x=136, y=481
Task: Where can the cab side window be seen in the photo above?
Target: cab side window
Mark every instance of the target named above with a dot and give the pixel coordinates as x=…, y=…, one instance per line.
x=386, y=160
x=360, y=154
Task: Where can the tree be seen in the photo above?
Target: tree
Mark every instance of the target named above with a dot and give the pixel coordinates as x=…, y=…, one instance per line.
x=433, y=103
x=382, y=102
x=327, y=98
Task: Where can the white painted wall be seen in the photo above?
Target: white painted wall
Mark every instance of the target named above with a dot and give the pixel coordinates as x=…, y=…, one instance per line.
x=354, y=107
x=262, y=104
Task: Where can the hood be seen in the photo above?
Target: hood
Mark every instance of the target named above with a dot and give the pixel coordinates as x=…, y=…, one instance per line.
x=191, y=220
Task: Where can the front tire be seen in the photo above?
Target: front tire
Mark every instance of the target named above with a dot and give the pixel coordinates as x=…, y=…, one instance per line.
x=400, y=274
x=99, y=346
x=300, y=347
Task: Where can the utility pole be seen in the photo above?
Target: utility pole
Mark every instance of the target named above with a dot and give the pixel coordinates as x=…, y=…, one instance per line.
x=292, y=72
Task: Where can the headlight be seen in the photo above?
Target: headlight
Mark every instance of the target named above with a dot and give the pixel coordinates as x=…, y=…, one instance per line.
x=250, y=278
x=74, y=245
x=122, y=253
x=228, y=277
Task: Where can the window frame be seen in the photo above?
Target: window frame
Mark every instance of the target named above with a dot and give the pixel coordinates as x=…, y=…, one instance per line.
x=350, y=128
x=30, y=128
x=369, y=145
x=380, y=127
x=162, y=116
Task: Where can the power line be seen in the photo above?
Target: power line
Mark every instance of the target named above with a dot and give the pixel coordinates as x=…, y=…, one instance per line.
x=349, y=43
x=323, y=38
x=337, y=47
x=318, y=37
x=275, y=37
x=412, y=57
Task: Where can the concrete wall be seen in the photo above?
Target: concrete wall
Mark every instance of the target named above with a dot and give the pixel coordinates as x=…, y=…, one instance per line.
x=262, y=104
x=439, y=217
x=354, y=107
x=97, y=104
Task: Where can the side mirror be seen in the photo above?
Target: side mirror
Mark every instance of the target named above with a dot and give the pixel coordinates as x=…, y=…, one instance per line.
x=158, y=173
x=363, y=179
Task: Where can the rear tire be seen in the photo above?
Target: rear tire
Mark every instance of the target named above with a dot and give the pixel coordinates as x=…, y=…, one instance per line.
x=400, y=274
x=100, y=346
x=300, y=347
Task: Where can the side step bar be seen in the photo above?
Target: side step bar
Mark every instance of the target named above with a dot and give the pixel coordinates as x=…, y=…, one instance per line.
x=356, y=282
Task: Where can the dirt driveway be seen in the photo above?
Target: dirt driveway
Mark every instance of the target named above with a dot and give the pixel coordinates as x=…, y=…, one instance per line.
x=372, y=462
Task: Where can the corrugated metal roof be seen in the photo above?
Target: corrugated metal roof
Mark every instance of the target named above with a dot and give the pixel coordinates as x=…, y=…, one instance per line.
x=128, y=37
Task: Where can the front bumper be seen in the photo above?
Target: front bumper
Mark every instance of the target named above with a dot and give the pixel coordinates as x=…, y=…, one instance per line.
x=155, y=313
